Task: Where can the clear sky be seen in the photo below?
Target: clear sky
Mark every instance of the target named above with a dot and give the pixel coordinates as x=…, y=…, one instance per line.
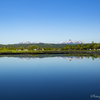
x=49, y=21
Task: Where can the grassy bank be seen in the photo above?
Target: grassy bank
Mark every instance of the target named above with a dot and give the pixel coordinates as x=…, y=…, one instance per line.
x=50, y=52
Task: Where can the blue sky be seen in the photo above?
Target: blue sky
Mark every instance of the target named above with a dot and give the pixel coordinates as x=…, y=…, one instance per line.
x=49, y=21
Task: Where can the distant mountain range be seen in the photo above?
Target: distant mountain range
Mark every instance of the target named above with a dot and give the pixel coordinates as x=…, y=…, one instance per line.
x=27, y=42
x=66, y=42
x=72, y=42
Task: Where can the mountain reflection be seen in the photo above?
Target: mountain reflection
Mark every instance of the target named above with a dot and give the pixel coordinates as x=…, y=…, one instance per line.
x=71, y=58
x=68, y=57
x=28, y=58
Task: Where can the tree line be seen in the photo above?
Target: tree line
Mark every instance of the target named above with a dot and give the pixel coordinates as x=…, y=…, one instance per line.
x=92, y=46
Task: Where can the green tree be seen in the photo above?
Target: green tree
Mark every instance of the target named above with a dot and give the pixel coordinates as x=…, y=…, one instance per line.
x=32, y=47
x=78, y=47
x=22, y=48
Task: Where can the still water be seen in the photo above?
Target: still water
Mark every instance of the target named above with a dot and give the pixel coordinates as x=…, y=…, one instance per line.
x=49, y=77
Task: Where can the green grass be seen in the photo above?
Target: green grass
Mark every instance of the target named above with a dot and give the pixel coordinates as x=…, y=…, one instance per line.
x=49, y=51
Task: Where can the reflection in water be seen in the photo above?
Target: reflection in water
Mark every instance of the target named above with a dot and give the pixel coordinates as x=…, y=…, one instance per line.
x=68, y=57
x=28, y=58
x=71, y=58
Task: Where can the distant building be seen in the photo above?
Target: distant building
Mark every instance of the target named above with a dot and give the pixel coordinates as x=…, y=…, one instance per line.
x=42, y=49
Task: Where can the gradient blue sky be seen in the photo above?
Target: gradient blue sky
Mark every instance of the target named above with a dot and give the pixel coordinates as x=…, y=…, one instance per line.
x=49, y=21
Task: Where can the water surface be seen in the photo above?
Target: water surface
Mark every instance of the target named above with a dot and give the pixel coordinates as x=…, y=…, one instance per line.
x=49, y=77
